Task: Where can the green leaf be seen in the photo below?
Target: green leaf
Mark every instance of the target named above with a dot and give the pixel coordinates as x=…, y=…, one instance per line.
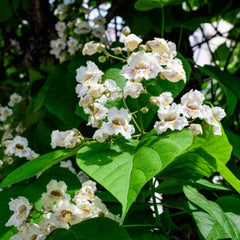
x=189, y=167
x=146, y=5
x=5, y=11
x=61, y=98
x=208, y=227
x=37, y=165
x=230, y=81
x=124, y=169
x=214, y=210
x=92, y=229
x=215, y=145
x=113, y=73
x=234, y=139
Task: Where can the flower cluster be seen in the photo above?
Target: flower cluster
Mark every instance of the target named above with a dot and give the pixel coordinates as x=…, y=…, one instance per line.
x=57, y=210
x=145, y=65
x=72, y=32
x=13, y=145
x=177, y=116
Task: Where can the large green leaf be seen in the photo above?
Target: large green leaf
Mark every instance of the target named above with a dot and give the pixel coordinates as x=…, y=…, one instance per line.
x=37, y=165
x=146, y=5
x=214, y=210
x=92, y=229
x=123, y=169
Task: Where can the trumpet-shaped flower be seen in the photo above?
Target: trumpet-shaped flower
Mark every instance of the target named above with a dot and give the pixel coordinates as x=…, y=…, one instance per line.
x=4, y=113
x=164, y=48
x=131, y=42
x=65, y=214
x=141, y=65
x=118, y=123
x=21, y=208
x=163, y=100
x=170, y=119
x=174, y=71
x=192, y=104
x=90, y=48
x=88, y=74
x=18, y=147
x=56, y=191
x=132, y=89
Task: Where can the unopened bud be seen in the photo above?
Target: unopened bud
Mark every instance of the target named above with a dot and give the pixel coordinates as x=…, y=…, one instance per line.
x=117, y=50
x=144, y=110
x=102, y=59
x=153, y=100
x=126, y=31
x=143, y=47
x=101, y=47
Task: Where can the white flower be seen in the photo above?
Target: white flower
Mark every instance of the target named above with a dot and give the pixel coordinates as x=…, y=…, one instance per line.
x=87, y=209
x=32, y=155
x=60, y=27
x=46, y=226
x=32, y=231
x=73, y=45
x=170, y=119
x=174, y=71
x=29, y=231
x=4, y=113
x=164, y=48
x=195, y=128
x=56, y=191
x=100, y=136
x=21, y=208
x=1, y=163
x=82, y=28
x=131, y=42
x=67, y=139
x=118, y=122
x=91, y=73
x=99, y=32
x=57, y=46
x=18, y=147
x=86, y=192
x=65, y=214
x=163, y=101
x=86, y=101
x=132, y=89
x=100, y=20
x=212, y=116
x=90, y=48
x=14, y=98
x=192, y=104
x=141, y=65
x=98, y=113
x=68, y=164
x=113, y=90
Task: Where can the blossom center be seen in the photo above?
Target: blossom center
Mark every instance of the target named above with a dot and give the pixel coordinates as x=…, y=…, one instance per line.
x=55, y=194
x=66, y=215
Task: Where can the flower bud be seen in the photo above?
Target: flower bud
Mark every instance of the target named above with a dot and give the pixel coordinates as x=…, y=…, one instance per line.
x=117, y=50
x=126, y=31
x=102, y=59
x=144, y=110
x=142, y=47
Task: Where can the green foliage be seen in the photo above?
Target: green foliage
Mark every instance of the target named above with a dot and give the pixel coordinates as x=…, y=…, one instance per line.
x=215, y=212
x=37, y=165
